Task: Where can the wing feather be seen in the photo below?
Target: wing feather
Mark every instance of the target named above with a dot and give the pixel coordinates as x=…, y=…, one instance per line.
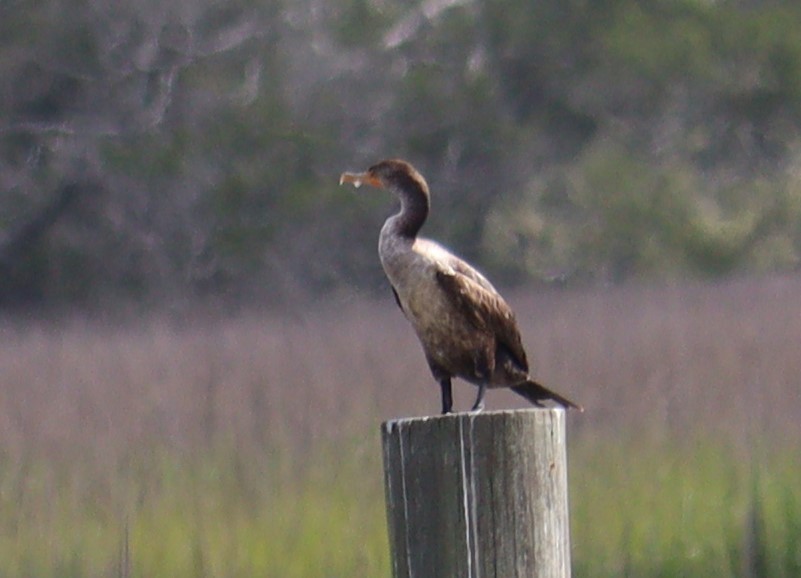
x=484, y=307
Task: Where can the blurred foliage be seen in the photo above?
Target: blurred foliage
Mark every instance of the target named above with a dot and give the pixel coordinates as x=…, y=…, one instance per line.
x=693, y=509
x=572, y=140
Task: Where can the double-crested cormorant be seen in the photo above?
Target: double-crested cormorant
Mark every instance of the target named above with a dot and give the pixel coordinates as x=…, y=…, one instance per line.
x=466, y=328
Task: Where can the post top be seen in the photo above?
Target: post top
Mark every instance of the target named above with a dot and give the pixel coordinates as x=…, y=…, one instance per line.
x=471, y=416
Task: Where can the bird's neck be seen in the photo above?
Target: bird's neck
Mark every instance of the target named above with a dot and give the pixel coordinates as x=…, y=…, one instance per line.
x=413, y=212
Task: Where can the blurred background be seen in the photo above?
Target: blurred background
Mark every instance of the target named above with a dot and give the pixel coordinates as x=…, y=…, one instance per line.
x=198, y=343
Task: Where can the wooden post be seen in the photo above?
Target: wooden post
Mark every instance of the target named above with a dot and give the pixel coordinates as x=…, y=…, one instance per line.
x=478, y=495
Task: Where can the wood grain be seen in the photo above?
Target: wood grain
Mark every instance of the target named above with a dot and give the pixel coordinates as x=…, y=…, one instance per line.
x=478, y=495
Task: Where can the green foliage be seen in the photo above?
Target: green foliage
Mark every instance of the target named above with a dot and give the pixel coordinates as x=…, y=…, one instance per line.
x=582, y=140
x=362, y=23
x=635, y=214
x=662, y=42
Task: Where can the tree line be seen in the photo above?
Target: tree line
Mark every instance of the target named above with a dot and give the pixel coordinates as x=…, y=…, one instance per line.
x=181, y=151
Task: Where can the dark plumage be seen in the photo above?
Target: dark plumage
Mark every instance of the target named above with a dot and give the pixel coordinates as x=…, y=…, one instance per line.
x=466, y=328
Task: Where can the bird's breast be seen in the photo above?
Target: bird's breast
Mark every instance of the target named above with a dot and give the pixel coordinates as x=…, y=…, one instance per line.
x=448, y=338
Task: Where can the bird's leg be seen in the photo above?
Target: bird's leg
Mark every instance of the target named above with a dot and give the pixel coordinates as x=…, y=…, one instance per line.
x=479, y=405
x=447, y=396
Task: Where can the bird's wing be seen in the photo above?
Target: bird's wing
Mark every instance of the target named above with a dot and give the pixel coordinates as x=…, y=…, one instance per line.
x=484, y=307
x=465, y=269
x=445, y=260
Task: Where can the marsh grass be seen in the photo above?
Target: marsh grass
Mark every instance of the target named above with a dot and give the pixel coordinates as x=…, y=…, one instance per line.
x=248, y=445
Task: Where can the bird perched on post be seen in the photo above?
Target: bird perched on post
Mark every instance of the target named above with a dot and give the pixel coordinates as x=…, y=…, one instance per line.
x=466, y=328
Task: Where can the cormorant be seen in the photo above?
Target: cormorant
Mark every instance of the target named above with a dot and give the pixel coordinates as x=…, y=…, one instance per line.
x=466, y=328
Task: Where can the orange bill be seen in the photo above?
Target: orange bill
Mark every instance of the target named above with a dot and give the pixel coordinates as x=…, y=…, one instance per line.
x=359, y=179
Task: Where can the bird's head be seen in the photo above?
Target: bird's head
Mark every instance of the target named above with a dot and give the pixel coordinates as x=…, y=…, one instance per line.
x=393, y=174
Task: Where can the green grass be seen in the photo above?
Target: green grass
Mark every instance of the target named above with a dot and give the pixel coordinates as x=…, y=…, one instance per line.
x=645, y=510
x=683, y=510
x=202, y=518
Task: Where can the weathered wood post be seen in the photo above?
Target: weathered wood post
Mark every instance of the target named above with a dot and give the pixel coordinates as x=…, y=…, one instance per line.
x=478, y=495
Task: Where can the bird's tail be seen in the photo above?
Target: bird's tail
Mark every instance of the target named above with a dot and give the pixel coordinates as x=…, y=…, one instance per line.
x=536, y=394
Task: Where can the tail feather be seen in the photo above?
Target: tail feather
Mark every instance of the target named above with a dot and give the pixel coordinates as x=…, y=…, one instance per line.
x=536, y=394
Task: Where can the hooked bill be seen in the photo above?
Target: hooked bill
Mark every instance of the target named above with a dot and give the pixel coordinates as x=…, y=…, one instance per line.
x=354, y=179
